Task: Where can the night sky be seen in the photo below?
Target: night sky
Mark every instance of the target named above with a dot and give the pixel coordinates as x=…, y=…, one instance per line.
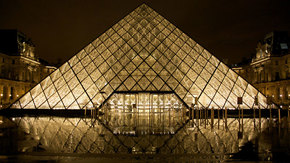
x=228, y=29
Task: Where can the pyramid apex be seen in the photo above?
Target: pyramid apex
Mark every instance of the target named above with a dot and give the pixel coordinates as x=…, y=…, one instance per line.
x=144, y=8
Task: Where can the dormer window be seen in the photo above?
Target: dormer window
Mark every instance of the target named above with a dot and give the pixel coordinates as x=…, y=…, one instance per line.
x=284, y=46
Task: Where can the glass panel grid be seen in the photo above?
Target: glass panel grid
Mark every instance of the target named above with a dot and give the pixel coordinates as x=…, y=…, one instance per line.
x=146, y=52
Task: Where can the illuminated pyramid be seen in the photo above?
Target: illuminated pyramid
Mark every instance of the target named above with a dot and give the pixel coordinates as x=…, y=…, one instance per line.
x=143, y=52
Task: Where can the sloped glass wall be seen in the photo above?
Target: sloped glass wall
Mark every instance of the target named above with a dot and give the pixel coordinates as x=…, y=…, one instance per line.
x=142, y=52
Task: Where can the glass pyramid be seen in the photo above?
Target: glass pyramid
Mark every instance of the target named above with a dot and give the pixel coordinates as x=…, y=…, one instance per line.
x=142, y=52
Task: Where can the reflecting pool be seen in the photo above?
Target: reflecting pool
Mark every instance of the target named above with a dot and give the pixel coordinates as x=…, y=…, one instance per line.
x=148, y=136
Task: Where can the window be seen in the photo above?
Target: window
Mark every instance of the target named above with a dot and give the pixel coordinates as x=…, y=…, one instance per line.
x=277, y=76
x=283, y=46
x=11, y=93
x=5, y=92
x=257, y=76
x=278, y=93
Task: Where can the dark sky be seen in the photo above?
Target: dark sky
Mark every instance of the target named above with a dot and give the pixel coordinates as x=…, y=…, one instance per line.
x=227, y=28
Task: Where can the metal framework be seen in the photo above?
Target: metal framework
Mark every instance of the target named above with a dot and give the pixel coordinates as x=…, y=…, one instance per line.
x=142, y=52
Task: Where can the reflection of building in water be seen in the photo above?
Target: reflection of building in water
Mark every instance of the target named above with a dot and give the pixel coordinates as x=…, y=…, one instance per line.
x=135, y=124
x=269, y=70
x=20, y=67
x=85, y=135
x=138, y=113
x=144, y=113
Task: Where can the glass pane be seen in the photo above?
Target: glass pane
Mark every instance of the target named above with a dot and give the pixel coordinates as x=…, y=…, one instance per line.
x=219, y=100
x=224, y=91
x=210, y=68
x=193, y=54
x=83, y=100
x=204, y=100
x=191, y=75
x=53, y=100
x=45, y=105
x=248, y=100
x=77, y=91
x=198, y=48
x=69, y=99
x=158, y=83
x=205, y=75
x=87, y=83
x=210, y=91
x=238, y=91
x=81, y=54
x=89, y=48
x=213, y=60
x=223, y=68
x=25, y=99
x=233, y=99
x=63, y=91
x=77, y=68
x=129, y=83
x=206, y=54
x=73, y=60
x=191, y=42
x=92, y=91
x=55, y=75
x=64, y=68
x=200, y=82
x=36, y=91
x=109, y=75
x=186, y=83
x=49, y=91
x=183, y=67
x=59, y=83
x=144, y=82
x=180, y=91
x=30, y=105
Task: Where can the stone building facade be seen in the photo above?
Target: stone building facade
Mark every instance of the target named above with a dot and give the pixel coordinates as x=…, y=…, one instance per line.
x=20, y=67
x=269, y=70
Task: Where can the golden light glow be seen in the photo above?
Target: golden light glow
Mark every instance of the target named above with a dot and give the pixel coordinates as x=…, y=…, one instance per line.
x=141, y=53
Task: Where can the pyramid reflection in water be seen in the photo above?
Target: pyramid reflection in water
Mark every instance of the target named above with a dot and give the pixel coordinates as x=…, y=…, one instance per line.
x=143, y=52
x=86, y=135
x=143, y=114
